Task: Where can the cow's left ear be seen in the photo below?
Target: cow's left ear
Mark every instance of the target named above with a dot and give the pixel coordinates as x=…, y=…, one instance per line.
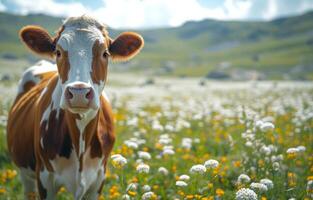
x=38, y=40
x=126, y=46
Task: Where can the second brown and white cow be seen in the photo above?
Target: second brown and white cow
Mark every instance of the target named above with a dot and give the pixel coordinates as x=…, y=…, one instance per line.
x=60, y=128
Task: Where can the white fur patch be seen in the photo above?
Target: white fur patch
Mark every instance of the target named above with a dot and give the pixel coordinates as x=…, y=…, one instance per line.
x=66, y=173
x=31, y=73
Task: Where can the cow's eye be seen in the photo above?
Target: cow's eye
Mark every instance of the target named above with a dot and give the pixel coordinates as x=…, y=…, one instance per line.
x=58, y=53
x=105, y=54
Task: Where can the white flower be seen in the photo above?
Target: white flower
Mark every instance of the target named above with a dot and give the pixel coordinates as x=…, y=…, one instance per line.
x=146, y=188
x=168, y=152
x=309, y=186
x=243, y=178
x=163, y=171
x=132, y=187
x=269, y=184
x=196, y=140
x=265, y=150
x=187, y=143
x=246, y=194
x=126, y=197
x=277, y=158
x=138, y=161
x=258, y=123
x=143, y=168
x=212, y=164
x=118, y=160
x=292, y=150
x=276, y=166
x=131, y=144
x=184, y=177
x=197, y=169
x=301, y=148
x=266, y=126
x=258, y=187
x=144, y=155
x=181, y=183
x=249, y=144
x=147, y=195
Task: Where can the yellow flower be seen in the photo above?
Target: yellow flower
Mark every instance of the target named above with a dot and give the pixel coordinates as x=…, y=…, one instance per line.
x=189, y=196
x=131, y=193
x=174, y=168
x=2, y=191
x=261, y=163
x=11, y=173
x=155, y=187
x=291, y=155
x=309, y=178
x=134, y=180
x=208, y=198
x=101, y=197
x=223, y=159
x=263, y=198
x=210, y=185
x=237, y=163
x=113, y=189
x=181, y=193
x=159, y=146
x=219, y=192
x=62, y=189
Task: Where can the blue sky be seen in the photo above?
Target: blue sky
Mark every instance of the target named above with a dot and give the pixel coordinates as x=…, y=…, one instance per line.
x=160, y=13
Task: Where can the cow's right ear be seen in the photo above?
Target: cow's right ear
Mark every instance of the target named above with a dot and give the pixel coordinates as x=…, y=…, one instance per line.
x=38, y=40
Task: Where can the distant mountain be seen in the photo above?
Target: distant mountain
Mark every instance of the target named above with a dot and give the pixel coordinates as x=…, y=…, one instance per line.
x=278, y=49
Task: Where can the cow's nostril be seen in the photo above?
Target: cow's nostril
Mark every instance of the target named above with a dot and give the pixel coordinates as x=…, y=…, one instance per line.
x=69, y=94
x=89, y=95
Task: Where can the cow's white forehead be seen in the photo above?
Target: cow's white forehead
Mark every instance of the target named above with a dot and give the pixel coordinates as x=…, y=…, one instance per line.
x=83, y=22
x=81, y=32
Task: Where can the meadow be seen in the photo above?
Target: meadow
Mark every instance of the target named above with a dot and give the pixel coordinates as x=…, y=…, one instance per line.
x=178, y=139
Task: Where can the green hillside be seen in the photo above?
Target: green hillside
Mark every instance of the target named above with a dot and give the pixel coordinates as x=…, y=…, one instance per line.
x=278, y=49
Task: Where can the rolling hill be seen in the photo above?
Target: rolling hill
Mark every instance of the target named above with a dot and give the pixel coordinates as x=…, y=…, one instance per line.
x=278, y=49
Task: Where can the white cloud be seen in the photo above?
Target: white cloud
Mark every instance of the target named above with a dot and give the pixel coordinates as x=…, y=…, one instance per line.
x=271, y=10
x=49, y=7
x=143, y=13
x=156, y=13
x=139, y=13
x=2, y=7
x=276, y=8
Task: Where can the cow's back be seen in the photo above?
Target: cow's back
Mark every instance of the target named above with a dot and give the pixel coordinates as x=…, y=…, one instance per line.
x=21, y=121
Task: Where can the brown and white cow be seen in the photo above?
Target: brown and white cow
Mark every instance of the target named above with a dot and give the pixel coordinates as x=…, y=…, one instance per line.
x=60, y=127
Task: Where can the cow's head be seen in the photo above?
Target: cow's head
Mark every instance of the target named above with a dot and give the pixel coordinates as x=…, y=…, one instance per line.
x=82, y=49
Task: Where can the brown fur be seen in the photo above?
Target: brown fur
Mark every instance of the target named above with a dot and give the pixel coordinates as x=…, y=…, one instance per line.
x=63, y=64
x=20, y=126
x=38, y=40
x=126, y=46
x=99, y=63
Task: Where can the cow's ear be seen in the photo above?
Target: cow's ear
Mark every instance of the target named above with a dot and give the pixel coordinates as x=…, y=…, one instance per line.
x=126, y=46
x=38, y=40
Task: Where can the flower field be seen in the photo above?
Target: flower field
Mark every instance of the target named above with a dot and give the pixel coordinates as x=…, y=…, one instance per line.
x=178, y=139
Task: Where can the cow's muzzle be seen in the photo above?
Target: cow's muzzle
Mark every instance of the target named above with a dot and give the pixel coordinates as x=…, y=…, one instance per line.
x=80, y=97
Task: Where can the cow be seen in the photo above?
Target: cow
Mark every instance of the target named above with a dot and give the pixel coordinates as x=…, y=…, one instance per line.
x=60, y=128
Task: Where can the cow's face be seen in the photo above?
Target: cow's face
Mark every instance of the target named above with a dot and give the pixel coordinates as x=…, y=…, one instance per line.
x=82, y=50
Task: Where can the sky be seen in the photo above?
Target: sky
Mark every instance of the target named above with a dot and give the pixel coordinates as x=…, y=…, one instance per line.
x=160, y=13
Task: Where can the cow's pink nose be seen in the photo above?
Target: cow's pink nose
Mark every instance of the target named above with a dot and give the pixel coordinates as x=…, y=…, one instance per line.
x=79, y=96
